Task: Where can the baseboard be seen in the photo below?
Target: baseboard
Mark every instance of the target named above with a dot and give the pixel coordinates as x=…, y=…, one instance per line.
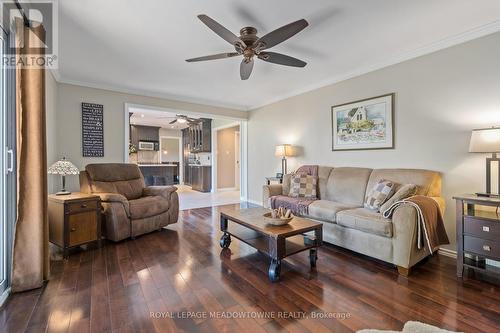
x=4, y=296
x=226, y=189
x=448, y=253
x=258, y=203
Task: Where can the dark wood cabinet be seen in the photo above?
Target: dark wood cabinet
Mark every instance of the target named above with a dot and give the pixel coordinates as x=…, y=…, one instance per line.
x=478, y=233
x=74, y=220
x=201, y=178
x=199, y=136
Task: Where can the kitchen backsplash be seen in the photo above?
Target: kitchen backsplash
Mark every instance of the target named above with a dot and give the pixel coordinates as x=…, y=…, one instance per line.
x=147, y=156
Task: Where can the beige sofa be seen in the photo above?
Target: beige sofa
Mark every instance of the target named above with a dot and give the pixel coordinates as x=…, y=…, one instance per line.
x=129, y=208
x=347, y=224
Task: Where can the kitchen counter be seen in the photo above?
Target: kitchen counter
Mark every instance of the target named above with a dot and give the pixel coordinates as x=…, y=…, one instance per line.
x=160, y=174
x=157, y=165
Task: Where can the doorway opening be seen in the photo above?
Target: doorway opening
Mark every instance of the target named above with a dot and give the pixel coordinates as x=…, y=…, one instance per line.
x=182, y=146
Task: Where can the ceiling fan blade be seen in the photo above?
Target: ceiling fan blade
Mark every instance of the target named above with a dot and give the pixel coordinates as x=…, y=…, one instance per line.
x=281, y=34
x=281, y=59
x=220, y=30
x=172, y=122
x=246, y=67
x=214, y=56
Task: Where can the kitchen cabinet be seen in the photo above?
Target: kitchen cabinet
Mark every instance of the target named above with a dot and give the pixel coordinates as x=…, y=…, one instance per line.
x=201, y=178
x=200, y=136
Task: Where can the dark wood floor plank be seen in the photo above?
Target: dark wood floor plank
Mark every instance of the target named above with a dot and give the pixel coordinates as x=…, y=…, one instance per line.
x=151, y=283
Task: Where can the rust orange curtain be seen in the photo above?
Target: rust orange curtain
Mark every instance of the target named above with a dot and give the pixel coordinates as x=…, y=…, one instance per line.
x=30, y=264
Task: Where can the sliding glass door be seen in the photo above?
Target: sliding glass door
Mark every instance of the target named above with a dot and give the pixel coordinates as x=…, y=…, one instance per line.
x=8, y=199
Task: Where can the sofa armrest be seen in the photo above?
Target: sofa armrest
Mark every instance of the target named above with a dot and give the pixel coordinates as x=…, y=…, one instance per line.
x=270, y=191
x=405, y=250
x=115, y=197
x=163, y=191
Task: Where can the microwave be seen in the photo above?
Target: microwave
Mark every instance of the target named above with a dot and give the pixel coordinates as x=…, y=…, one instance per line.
x=149, y=145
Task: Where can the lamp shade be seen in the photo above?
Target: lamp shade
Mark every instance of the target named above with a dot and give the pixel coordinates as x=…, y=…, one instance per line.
x=284, y=150
x=486, y=140
x=63, y=167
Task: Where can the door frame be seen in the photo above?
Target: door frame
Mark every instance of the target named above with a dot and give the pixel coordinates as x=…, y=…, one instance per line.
x=181, y=159
x=242, y=121
x=215, y=130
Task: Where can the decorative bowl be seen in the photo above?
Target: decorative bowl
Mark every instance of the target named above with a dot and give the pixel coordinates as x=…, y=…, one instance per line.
x=277, y=221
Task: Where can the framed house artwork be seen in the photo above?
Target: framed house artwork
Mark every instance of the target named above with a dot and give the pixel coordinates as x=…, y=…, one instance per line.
x=364, y=124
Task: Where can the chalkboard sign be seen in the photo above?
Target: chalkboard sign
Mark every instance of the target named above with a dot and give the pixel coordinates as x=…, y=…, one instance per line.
x=92, y=130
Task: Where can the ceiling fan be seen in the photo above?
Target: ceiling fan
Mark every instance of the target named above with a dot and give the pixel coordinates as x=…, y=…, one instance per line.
x=182, y=119
x=249, y=45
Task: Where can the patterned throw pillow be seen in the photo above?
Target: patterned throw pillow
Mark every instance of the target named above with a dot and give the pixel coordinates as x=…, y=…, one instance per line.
x=379, y=194
x=405, y=191
x=303, y=186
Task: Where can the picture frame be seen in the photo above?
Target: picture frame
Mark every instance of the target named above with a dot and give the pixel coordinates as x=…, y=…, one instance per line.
x=365, y=124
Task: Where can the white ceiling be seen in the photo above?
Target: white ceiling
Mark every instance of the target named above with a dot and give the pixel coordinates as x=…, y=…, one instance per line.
x=140, y=46
x=147, y=117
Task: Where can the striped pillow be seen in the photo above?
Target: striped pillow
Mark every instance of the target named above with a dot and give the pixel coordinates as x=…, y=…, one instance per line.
x=303, y=186
x=379, y=194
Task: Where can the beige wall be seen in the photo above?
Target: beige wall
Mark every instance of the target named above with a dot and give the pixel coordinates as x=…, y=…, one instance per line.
x=68, y=121
x=51, y=122
x=226, y=157
x=440, y=98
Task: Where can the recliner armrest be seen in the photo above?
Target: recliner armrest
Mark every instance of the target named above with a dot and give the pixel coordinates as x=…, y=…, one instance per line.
x=115, y=197
x=163, y=191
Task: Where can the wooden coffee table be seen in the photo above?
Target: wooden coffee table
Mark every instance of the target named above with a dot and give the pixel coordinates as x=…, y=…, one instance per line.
x=278, y=242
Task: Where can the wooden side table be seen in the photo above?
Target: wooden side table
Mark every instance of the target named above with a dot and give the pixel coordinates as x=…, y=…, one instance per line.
x=478, y=233
x=74, y=220
x=275, y=179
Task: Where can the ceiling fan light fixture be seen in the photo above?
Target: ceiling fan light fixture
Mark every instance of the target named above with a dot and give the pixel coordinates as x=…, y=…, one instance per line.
x=248, y=45
x=181, y=120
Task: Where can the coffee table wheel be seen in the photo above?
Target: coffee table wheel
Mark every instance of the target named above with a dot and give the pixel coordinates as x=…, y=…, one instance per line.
x=274, y=270
x=225, y=241
x=313, y=256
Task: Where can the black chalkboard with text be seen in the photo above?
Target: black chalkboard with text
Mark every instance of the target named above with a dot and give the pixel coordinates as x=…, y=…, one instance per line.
x=92, y=130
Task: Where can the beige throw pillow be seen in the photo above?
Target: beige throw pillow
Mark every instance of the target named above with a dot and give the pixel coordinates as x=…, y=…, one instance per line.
x=379, y=194
x=303, y=186
x=405, y=191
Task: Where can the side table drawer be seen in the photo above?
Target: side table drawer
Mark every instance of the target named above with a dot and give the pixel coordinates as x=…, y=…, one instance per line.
x=481, y=246
x=481, y=228
x=82, y=228
x=82, y=206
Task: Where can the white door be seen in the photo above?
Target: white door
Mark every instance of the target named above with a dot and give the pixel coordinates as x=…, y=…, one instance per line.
x=8, y=199
x=237, y=168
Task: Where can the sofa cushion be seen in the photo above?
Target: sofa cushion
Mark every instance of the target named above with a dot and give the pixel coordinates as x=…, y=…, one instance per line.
x=347, y=185
x=148, y=206
x=365, y=220
x=325, y=210
x=428, y=182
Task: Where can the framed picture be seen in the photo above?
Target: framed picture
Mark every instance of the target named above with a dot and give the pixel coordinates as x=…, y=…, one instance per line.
x=364, y=124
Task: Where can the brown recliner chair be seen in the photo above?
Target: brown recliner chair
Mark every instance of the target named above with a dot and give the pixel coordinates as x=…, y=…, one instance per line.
x=129, y=208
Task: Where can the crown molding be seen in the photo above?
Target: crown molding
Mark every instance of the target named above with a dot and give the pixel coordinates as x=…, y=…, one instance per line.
x=445, y=43
x=177, y=98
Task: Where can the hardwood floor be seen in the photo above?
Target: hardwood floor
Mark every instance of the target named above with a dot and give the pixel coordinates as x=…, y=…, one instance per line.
x=181, y=271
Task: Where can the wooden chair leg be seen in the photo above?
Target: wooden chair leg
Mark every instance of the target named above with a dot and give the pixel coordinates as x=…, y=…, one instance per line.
x=403, y=271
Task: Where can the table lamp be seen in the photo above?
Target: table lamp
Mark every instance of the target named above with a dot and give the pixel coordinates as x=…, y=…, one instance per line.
x=63, y=167
x=283, y=151
x=487, y=140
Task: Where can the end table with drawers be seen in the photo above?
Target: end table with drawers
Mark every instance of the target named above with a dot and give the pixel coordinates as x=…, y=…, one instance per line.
x=478, y=233
x=74, y=220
